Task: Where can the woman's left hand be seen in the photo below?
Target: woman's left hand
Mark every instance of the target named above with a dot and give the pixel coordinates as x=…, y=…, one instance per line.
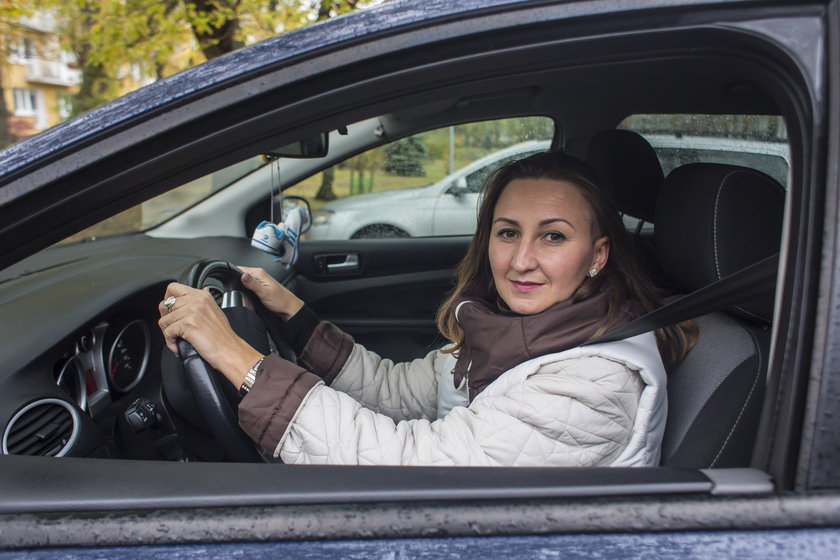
x=195, y=317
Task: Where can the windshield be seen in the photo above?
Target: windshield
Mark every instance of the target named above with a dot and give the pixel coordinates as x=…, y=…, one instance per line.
x=159, y=209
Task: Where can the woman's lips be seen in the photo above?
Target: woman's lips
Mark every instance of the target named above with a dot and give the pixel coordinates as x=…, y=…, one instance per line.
x=525, y=286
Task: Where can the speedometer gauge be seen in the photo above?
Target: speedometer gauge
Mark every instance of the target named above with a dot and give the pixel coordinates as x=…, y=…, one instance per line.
x=129, y=356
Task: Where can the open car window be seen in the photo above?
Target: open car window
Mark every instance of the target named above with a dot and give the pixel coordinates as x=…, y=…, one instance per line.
x=422, y=185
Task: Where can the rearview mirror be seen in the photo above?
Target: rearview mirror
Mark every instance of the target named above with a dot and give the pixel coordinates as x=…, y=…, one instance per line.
x=313, y=147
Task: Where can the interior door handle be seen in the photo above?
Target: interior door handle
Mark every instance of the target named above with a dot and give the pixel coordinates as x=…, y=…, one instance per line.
x=349, y=264
x=337, y=263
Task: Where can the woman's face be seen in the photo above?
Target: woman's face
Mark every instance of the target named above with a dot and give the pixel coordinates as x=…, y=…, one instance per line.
x=541, y=244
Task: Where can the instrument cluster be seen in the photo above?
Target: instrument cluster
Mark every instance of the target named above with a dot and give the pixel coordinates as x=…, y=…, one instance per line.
x=106, y=361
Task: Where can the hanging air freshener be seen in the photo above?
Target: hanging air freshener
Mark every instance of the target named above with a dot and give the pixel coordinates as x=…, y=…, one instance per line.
x=281, y=239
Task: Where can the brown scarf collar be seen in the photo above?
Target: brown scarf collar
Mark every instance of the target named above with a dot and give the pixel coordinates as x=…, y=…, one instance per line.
x=495, y=342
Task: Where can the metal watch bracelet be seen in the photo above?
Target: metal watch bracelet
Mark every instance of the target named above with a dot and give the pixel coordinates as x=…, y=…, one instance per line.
x=250, y=377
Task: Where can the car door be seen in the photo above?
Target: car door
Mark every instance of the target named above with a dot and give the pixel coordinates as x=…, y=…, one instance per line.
x=382, y=292
x=784, y=55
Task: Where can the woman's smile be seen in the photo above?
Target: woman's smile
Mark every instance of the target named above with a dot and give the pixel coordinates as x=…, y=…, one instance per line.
x=525, y=286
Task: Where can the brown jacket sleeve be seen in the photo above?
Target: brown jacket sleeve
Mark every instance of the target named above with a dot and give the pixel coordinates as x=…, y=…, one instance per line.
x=327, y=351
x=280, y=387
x=267, y=410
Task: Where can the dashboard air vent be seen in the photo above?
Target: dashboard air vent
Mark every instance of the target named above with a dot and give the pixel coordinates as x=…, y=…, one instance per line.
x=47, y=427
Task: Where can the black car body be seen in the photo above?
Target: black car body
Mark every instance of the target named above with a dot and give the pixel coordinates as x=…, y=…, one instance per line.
x=587, y=66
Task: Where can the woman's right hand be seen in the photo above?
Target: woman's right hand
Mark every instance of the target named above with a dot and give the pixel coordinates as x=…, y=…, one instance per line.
x=275, y=296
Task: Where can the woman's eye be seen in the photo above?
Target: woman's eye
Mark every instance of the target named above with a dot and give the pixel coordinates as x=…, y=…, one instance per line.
x=555, y=237
x=506, y=233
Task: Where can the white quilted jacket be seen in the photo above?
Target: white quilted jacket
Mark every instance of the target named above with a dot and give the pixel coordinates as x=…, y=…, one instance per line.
x=595, y=405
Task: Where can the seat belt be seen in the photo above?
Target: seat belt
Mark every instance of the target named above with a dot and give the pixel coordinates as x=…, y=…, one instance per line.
x=748, y=283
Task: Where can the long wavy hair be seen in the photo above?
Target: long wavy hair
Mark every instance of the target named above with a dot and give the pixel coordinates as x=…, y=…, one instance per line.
x=622, y=277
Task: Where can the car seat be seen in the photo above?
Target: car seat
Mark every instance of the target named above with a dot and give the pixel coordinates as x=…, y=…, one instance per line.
x=629, y=169
x=713, y=220
x=631, y=172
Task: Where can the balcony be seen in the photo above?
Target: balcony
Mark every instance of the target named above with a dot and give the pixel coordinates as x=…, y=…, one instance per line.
x=52, y=72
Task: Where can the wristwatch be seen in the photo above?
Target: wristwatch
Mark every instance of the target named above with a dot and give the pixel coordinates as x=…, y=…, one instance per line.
x=250, y=377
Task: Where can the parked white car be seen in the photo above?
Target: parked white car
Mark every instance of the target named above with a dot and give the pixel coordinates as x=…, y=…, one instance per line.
x=766, y=156
x=447, y=207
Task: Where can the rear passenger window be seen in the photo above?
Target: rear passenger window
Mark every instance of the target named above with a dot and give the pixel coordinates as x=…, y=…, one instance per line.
x=755, y=141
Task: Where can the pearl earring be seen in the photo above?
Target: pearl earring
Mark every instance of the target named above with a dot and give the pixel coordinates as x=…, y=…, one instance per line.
x=593, y=272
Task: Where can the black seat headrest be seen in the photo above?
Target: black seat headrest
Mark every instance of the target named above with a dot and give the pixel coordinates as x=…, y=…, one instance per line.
x=629, y=170
x=713, y=220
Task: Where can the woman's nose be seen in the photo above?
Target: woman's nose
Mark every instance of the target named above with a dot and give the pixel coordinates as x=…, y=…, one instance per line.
x=523, y=257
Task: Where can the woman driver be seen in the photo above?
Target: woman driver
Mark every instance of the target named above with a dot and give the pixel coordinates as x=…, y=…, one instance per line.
x=550, y=267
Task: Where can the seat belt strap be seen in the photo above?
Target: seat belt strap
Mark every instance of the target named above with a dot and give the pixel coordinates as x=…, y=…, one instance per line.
x=749, y=283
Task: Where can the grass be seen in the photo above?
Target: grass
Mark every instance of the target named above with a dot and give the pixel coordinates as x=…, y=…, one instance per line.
x=435, y=171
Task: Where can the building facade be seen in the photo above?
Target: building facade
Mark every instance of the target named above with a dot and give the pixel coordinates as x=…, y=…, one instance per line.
x=38, y=76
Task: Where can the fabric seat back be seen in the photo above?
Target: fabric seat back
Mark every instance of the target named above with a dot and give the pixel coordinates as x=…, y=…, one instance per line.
x=630, y=171
x=711, y=221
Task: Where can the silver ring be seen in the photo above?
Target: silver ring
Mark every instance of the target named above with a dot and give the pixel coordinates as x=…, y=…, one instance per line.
x=170, y=301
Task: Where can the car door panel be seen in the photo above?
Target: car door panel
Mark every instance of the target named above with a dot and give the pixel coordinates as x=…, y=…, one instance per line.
x=387, y=300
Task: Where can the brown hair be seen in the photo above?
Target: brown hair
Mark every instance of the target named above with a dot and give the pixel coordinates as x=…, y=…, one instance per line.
x=622, y=277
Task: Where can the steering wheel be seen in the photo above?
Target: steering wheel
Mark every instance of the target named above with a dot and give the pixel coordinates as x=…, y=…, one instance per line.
x=215, y=397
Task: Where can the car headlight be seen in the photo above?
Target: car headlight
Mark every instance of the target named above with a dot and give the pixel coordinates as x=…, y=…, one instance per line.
x=321, y=217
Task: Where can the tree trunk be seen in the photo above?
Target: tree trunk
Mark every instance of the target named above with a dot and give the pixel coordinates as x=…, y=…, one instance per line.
x=95, y=87
x=324, y=9
x=217, y=40
x=360, y=169
x=325, y=192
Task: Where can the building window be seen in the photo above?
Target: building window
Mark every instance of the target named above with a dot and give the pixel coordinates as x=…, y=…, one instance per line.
x=29, y=48
x=22, y=49
x=30, y=103
x=65, y=106
x=26, y=102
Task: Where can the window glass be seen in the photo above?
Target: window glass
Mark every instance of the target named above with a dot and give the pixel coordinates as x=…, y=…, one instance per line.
x=26, y=101
x=426, y=184
x=422, y=185
x=159, y=209
x=755, y=141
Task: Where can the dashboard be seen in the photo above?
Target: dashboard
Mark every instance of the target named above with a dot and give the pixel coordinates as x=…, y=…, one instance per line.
x=80, y=366
x=73, y=398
